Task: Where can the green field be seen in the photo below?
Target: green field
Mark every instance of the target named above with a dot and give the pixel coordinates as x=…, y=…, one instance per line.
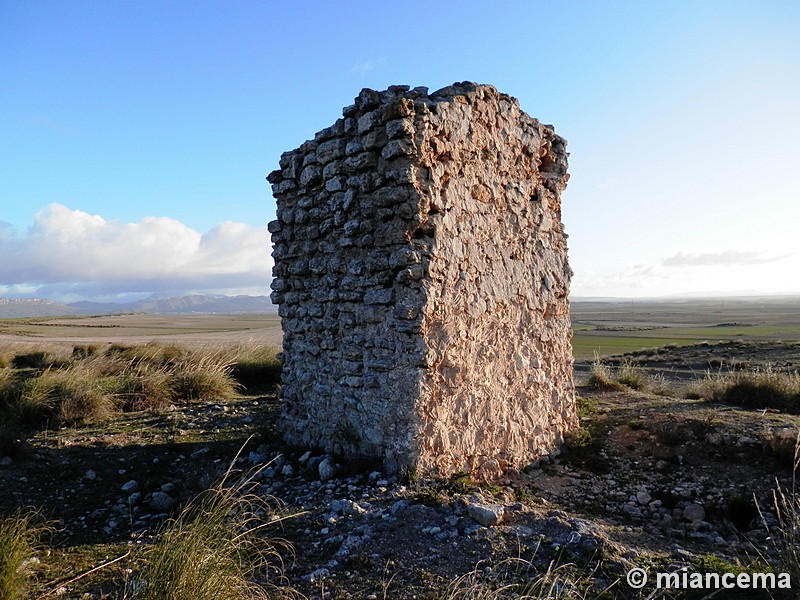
x=606, y=328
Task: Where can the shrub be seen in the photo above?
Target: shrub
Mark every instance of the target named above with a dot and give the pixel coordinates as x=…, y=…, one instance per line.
x=20, y=536
x=579, y=439
x=740, y=510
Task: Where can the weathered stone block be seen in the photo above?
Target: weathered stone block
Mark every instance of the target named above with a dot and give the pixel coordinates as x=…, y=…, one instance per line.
x=422, y=277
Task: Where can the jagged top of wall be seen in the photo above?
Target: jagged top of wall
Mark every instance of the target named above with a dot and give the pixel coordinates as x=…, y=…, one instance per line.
x=399, y=101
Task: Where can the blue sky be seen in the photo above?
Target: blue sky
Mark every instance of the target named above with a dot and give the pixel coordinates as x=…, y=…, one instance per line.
x=135, y=137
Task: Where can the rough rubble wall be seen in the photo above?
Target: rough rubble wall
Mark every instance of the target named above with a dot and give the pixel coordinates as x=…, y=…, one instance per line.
x=421, y=277
x=496, y=322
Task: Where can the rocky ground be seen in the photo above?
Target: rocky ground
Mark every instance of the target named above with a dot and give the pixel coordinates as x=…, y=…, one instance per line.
x=649, y=480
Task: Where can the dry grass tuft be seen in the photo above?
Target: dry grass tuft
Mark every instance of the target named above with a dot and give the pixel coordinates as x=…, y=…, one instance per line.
x=632, y=376
x=44, y=387
x=20, y=535
x=70, y=395
x=515, y=578
x=601, y=377
x=216, y=549
x=761, y=388
x=255, y=365
x=203, y=376
x=784, y=537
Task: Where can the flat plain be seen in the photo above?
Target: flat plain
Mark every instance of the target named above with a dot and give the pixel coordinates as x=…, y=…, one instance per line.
x=600, y=327
x=196, y=329
x=615, y=327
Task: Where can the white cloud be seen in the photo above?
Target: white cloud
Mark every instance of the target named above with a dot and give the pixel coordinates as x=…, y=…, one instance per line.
x=72, y=253
x=727, y=258
x=727, y=272
x=607, y=183
x=363, y=67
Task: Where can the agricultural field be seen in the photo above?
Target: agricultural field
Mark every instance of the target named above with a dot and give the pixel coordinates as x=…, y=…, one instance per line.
x=139, y=328
x=607, y=328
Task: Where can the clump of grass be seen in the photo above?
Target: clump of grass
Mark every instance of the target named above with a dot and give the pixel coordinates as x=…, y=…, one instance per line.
x=760, y=388
x=764, y=388
x=626, y=376
x=69, y=395
x=143, y=389
x=632, y=376
x=80, y=351
x=785, y=535
x=601, y=377
x=20, y=536
x=205, y=377
x=10, y=443
x=710, y=387
x=515, y=578
x=215, y=549
x=579, y=439
x=44, y=386
x=153, y=375
x=7, y=380
x=152, y=355
x=659, y=385
x=39, y=357
x=32, y=360
x=255, y=365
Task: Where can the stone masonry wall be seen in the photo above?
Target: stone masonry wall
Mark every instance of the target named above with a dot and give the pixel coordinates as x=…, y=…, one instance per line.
x=422, y=279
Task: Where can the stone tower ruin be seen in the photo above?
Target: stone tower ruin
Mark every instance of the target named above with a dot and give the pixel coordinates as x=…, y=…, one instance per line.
x=422, y=279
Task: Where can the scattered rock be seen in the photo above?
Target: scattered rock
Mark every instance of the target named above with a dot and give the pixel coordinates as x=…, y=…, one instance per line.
x=486, y=514
x=694, y=512
x=130, y=487
x=327, y=469
x=318, y=575
x=346, y=507
x=161, y=502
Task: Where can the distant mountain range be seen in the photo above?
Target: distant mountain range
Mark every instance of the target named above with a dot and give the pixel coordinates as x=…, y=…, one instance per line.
x=195, y=303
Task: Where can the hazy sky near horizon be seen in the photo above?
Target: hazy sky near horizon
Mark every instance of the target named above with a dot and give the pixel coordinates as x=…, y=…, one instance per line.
x=135, y=137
